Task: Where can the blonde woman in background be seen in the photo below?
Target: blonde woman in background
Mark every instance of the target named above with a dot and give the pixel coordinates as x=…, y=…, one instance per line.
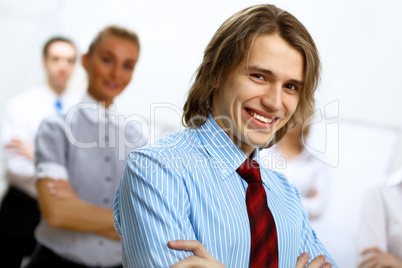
x=79, y=161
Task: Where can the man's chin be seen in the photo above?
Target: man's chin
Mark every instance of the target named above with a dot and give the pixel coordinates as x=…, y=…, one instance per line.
x=258, y=143
x=60, y=82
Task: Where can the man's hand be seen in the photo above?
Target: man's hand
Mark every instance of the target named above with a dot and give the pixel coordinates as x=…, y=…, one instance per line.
x=62, y=189
x=312, y=193
x=22, y=148
x=380, y=259
x=201, y=257
x=318, y=262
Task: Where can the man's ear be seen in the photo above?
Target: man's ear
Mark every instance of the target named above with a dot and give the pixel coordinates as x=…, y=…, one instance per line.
x=214, y=83
x=84, y=61
x=44, y=62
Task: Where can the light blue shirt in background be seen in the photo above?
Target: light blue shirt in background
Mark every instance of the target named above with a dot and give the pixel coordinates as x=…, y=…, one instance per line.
x=186, y=187
x=87, y=146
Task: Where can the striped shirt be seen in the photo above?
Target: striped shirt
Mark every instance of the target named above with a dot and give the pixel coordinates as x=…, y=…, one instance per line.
x=186, y=187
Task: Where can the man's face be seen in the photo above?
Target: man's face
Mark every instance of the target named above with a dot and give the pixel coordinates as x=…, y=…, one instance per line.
x=261, y=94
x=59, y=63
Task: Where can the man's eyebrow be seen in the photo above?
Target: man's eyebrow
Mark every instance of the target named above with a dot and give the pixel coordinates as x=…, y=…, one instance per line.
x=107, y=51
x=250, y=69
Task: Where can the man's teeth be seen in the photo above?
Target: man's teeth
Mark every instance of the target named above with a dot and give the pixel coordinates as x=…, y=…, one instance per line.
x=260, y=117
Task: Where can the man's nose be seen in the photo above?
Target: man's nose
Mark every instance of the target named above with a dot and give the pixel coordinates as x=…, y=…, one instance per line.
x=272, y=98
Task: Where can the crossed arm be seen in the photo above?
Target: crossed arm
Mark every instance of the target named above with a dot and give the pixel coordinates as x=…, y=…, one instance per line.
x=62, y=208
x=147, y=217
x=21, y=148
x=379, y=258
x=18, y=144
x=373, y=236
x=202, y=258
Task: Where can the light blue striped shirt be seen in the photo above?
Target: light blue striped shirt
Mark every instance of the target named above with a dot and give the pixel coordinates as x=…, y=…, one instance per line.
x=186, y=187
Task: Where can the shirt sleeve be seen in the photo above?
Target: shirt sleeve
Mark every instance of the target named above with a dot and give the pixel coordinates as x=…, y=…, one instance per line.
x=310, y=242
x=51, y=149
x=135, y=137
x=151, y=208
x=372, y=231
x=19, y=168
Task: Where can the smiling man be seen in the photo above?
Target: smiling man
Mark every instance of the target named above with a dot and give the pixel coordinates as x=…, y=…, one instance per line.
x=198, y=197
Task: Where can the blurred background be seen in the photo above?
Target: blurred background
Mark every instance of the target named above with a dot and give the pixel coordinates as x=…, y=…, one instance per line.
x=357, y=126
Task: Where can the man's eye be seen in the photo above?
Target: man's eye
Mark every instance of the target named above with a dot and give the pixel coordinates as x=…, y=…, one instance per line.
x=106, y=60
x=290, y=86
x=258, y=76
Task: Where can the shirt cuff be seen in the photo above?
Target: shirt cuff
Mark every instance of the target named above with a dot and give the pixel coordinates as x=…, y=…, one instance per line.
x=51, y=171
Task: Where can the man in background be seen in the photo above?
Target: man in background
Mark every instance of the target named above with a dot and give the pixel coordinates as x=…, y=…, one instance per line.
x=19, y=212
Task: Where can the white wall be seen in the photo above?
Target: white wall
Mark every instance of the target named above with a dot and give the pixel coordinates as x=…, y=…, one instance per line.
x=359, y=42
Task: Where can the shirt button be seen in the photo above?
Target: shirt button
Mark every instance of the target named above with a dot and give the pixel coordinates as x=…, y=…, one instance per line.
x=106, y=138
x=106, y=200
x=107, y=158
x=108, y=179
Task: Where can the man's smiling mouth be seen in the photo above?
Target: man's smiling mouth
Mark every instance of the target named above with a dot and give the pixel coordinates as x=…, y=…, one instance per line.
x=260, y=117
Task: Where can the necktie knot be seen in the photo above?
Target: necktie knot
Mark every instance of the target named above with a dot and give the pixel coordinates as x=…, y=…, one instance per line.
x=58, y=105
x=250, y=171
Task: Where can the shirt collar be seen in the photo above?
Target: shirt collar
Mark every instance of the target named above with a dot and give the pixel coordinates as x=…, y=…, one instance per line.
x=95, y=112
x=395, y=178
x=225, y=154
x=53, y=97
x=52, y=93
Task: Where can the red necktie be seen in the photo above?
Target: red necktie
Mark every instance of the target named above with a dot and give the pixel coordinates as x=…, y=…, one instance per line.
x=264, y=242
